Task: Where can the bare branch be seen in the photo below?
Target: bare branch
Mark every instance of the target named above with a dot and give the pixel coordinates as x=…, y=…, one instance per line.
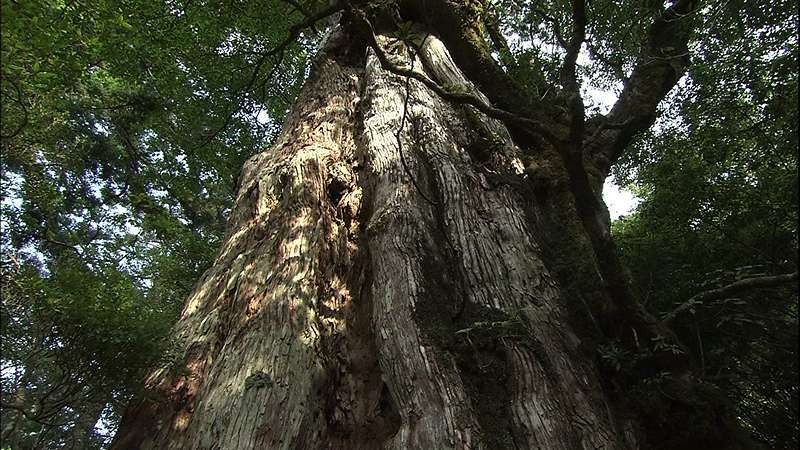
x=735, y=287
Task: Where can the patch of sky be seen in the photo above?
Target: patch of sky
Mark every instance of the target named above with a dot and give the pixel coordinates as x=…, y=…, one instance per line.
x=262, y=117
x=116, y=210
x=599, y=100
x=76, y=218
x=205, y=176
x=158, y=193
x=157, y=156
x=105, y=426
x=620, y=201
x=181, y=159
x=100, y=127
x=30, y=251
x=200, y=93
x=233, y=43
x=132, y=229
x=10, y=189
x=10, y=371
x=96, y=189
x=174, y=7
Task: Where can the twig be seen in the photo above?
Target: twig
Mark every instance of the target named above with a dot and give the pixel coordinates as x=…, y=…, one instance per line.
x=595, y=53
x=294, y=33
x=302, y=10
x=21, y=102
x=736, y=286
x=556, y=26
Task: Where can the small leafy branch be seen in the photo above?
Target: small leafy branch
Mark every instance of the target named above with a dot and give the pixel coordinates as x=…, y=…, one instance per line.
x=614, y=354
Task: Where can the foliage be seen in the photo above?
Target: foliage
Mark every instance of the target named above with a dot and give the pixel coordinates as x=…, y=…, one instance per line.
x=125, y=124
x=124, y=127
x=718, y=181
x=73, y=342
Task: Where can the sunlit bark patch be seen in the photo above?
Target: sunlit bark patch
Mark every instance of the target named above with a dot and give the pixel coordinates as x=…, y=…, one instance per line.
x=381, y=287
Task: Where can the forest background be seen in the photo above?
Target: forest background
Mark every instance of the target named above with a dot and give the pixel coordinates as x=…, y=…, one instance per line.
x=125, y=124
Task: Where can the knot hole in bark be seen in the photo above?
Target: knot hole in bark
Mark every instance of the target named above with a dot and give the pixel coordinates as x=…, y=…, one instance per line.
x=336, y=190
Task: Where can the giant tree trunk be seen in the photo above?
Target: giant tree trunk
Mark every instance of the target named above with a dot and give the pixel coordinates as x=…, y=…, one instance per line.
x=385, y=283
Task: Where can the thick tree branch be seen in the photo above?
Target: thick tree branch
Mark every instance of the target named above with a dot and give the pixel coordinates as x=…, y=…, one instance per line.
x=568, y=77
x=533, y=126
x=569, y=81
x=492, y=24
x=458, y=24
x=733, y=288
x=664, y=59
x=587, y=198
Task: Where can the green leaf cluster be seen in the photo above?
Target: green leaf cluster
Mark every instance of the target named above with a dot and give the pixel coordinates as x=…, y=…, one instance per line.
x=124, y=127
x=717, y=178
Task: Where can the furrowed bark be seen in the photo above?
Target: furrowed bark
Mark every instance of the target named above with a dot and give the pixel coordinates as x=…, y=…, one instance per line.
x=345, y=311
x=471, y=259
x=460, y=26
x=263, y=336
x=363, y=299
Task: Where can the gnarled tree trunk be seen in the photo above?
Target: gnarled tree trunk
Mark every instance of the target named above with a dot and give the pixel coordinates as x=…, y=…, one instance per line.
x=388, y=281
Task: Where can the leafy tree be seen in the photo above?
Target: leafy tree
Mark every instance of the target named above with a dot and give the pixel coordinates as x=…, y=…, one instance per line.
x=719, y=208
x=125, y=130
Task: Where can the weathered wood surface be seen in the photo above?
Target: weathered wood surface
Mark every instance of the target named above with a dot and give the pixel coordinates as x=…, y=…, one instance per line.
x=355, y=307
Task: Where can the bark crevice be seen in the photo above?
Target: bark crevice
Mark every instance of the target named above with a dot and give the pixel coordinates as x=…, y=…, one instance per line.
x=345, y=311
